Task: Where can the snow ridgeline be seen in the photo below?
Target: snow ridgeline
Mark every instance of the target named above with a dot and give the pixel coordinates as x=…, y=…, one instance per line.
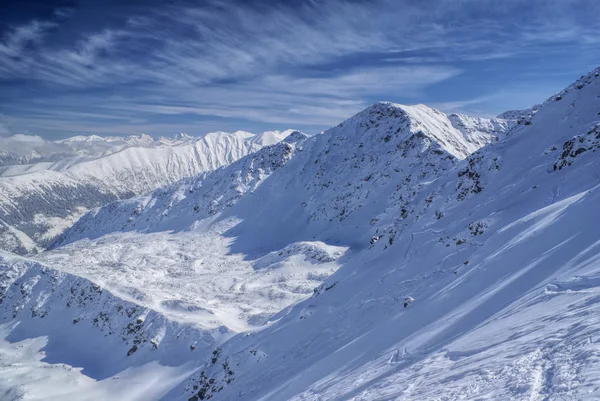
x=25, y=153
x=411, y=142
x=179, y=205
x=39, y=201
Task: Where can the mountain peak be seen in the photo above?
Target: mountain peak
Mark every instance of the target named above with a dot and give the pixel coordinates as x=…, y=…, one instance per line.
x=182, y=136
x=457, y=134
x=294, y=136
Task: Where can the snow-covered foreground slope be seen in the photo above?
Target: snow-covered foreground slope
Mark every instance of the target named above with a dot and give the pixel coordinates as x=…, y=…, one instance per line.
x=37, y=202
x=150, y=306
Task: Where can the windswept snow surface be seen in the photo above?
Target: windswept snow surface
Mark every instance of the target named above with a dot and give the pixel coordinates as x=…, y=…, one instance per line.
x=404, y=254
x=39, y=201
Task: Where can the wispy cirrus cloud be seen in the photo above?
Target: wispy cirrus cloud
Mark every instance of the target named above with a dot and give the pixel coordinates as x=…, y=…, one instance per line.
x=281, y=100
x=16, y=40
x=15, y=45
x=248, y=65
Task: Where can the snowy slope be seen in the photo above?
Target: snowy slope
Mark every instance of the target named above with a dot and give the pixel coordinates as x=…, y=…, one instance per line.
x=501, y=276
x=35, y=152
x=520, y=115
x=37, y=202
x=89, y=339
x=181, y=204
x=172, y=232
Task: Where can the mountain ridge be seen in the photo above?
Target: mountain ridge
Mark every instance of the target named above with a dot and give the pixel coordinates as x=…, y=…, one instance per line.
x=363, y=126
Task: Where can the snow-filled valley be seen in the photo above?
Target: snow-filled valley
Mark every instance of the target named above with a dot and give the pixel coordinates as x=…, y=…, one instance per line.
x=404, y=254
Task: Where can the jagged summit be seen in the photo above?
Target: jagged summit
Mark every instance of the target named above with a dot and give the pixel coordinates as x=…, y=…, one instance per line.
x=591, y=77
x=295, y=136
x=182, y=136
x=519, y=115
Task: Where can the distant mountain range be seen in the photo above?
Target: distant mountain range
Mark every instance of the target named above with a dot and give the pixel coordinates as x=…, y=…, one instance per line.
x=39, y=200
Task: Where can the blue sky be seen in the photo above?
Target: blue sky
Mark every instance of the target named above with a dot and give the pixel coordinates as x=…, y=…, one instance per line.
x=162, y=67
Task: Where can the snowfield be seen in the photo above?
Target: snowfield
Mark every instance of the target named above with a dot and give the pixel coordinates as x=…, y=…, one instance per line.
x=404, y=254
x=191, y=277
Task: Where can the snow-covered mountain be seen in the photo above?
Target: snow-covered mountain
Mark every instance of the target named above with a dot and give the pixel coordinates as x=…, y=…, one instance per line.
x=385, y=136
x=488, y=290
x=403, y=254
x=520, y=115
x=38, y=201
x=188, y=230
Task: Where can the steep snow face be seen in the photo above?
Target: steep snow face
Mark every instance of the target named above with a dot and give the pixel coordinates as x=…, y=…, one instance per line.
x=39, y=201
x=272, y=137
x=338, y=188
x=22, y=149
x=519, y=115
x=179, y=206
x=35, y=152
x=480, y=131
x=499, y=257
